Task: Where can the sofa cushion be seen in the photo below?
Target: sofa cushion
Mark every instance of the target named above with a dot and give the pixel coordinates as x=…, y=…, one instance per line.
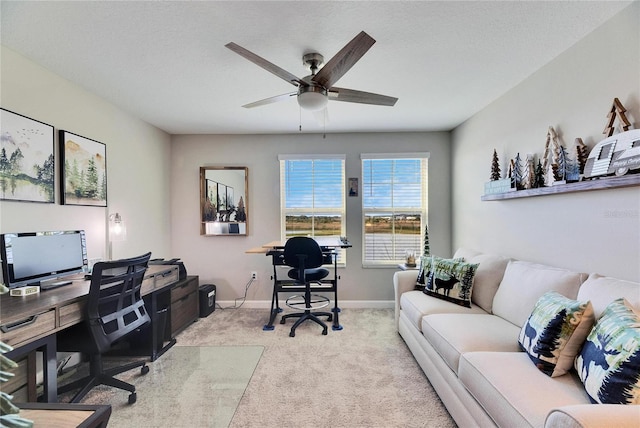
x=451, y=280
x=609, y=362
x=555, y=332
x=488, y=275
x=602, y=290
x=512, y=391
x=416, y=304
x=523, y=284
x=454, y=334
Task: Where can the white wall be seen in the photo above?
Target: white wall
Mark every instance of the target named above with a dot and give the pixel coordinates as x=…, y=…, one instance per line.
x=221, y=260
x=137, y=162
x=595, y=231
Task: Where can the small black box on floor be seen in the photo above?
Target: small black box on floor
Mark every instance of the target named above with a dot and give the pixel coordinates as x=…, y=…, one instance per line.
x=207, y=298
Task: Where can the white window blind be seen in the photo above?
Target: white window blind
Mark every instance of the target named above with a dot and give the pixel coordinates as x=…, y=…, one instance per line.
x=394, y=206
x=312, y=196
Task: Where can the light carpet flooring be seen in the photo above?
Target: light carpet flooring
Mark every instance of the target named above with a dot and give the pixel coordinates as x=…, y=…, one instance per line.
x=361, y=376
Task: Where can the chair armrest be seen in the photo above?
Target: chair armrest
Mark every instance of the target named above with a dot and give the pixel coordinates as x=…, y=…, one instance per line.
x=403, y=281
x=594, y=416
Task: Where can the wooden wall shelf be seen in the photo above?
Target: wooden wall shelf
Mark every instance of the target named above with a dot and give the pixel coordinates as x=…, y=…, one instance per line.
x=582, y=186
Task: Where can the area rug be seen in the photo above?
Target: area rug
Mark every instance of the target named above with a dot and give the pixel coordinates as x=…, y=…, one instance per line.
x=363, y=376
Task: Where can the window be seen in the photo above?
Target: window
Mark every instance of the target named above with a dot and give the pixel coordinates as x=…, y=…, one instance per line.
x=312, y=196
x=394, y=206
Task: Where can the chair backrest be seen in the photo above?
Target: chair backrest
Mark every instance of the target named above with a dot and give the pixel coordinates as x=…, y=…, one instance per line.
x=302, y=246
x=115, y=307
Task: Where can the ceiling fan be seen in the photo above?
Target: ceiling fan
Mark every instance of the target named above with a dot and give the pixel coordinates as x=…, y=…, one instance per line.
x=315, y=90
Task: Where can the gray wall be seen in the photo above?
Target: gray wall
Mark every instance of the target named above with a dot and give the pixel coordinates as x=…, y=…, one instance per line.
x=137, y=162
x=222, y=260
x=591, y=231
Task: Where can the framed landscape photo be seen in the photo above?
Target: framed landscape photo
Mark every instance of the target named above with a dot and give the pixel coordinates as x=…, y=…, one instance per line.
x=83, y=169
x=27, y=165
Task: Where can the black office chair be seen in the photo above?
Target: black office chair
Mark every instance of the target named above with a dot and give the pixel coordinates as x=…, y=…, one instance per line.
x=305, y=258
x=114, y=310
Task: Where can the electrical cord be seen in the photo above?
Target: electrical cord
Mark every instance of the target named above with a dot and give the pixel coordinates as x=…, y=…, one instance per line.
x=242, y=299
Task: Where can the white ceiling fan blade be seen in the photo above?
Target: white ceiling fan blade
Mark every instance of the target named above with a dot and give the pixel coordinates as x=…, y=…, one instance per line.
x=270, y=100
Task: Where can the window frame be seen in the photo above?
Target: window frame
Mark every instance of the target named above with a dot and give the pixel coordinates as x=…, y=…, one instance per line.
x=423, y=210
x=312, y=211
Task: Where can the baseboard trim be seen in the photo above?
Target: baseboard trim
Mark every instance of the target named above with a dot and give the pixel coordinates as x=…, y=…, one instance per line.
x=346, y=304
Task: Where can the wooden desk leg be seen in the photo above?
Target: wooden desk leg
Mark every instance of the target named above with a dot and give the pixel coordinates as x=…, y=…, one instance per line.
x=50, y=369
x=32, y=388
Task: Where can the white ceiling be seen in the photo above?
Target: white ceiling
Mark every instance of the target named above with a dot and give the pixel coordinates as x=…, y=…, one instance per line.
x=165, y=62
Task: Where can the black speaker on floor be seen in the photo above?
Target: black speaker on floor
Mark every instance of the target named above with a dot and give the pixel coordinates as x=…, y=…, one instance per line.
x=207, y=299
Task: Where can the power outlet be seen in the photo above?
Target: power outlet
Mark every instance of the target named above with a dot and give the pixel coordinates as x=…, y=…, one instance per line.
x=254, y=275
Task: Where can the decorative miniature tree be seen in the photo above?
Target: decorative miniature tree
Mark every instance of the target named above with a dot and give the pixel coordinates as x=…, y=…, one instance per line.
x=516, y=173
x=548, y=159
x=572, y=170
x=617, y=110
x=510, y=173
x=427, y=249
x=495, y=167
x=528, y=173
x=582, y=153
x=538, y=178
x=560, y=158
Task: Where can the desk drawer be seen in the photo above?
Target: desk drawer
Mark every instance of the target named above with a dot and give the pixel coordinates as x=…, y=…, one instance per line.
x=33, y=327
x=72, y=313
x=166, y=277
x=184, y=311
x=183, y=288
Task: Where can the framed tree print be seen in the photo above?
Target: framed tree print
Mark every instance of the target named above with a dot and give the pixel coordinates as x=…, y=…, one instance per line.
x=83, y=170
x=27, y=165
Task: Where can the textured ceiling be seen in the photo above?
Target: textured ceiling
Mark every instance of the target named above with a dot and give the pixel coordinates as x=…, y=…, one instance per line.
x=165, y=62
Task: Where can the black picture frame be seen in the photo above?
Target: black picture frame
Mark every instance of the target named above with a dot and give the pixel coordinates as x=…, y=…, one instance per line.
x=27, y=162
x=83, y=170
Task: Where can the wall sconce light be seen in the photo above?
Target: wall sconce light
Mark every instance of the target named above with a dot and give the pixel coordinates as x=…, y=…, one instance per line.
x=117, y=228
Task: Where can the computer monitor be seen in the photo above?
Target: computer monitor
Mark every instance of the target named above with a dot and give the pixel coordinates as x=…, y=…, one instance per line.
x=34, y=257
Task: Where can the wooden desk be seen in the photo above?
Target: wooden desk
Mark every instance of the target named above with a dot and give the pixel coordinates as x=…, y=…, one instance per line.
x=29, y=323
x=275, y=250
x=66, y=415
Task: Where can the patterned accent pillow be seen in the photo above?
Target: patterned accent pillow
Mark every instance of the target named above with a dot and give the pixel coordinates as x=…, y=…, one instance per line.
x=609, y=363
x=423, y=272
x=555, y=331
x=450, y=280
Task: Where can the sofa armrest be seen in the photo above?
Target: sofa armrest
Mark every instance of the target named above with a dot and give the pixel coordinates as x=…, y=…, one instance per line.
x=404, y=280
x=594, y=416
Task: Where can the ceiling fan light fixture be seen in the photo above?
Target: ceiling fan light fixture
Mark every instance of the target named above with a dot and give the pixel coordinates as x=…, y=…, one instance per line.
x=312, y=98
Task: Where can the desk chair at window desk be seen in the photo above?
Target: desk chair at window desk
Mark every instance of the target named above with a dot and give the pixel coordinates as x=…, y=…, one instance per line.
x=306, y=258
x=114, y=309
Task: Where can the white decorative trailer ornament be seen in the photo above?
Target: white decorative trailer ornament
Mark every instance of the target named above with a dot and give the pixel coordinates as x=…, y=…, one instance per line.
x=617, y=155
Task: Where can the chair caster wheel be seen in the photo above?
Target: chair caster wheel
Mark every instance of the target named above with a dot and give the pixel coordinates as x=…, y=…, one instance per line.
x=292, y=334
x=329, y=318
x=283, y=320
x=324, y=332
x=144, y=370
x=133, y=397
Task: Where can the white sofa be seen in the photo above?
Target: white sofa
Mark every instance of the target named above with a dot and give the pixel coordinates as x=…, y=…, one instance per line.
x=472, y=357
